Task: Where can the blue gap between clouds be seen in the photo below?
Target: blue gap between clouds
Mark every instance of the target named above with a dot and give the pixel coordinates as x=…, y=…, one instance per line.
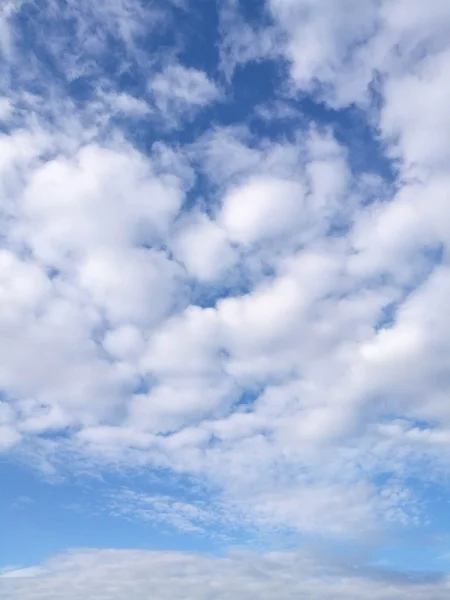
x=71, y=513
x=420, y=548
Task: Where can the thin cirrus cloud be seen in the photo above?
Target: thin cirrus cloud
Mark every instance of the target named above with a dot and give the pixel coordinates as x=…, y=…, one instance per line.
x=197, y=277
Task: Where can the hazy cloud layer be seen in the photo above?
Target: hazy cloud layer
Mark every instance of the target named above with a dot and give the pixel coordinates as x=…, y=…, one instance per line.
x=113, y=574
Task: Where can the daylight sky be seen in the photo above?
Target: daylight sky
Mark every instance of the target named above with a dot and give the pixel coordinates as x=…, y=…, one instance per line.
x=224, y=299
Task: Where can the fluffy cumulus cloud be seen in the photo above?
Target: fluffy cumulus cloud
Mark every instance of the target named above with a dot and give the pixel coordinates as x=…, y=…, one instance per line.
x=196, y=280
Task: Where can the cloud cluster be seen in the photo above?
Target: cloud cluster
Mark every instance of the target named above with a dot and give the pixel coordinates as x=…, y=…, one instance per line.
x=249, y=311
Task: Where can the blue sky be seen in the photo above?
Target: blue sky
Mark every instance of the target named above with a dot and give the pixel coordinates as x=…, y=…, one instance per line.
x=224, y=338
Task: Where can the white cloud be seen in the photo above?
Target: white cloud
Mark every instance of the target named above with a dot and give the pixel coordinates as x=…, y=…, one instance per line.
x=204, y=249
x=9, y=437
x=5, y=109
x=165, y=511
x=262, y=208
x=7, y=12
x=21, y=573
x=124, y=342
x=127, y=104
x=180, y=91
x=114, y=574
x=420, y=137
x=336, y=49
x=242, y=41
x=321, y=36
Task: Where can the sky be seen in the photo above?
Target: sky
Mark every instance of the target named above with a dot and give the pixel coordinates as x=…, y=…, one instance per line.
x=224, y=283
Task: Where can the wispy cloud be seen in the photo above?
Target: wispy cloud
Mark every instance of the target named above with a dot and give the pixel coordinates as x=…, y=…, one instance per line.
x=180, y=91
